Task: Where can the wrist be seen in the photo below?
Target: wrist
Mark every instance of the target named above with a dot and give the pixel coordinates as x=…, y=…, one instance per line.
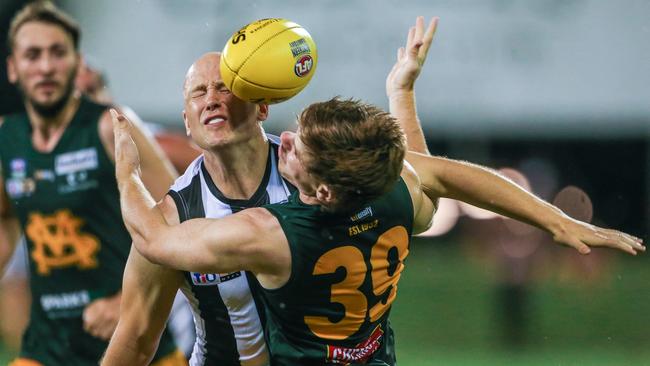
x=401, y=93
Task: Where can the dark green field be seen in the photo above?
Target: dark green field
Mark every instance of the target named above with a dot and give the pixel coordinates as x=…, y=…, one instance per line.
x=445, y=314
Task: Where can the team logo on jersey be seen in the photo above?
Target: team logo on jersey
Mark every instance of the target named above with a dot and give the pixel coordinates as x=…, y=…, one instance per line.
x=59, y=243
x=18, y=167
x=359, y=354
x=18, y=185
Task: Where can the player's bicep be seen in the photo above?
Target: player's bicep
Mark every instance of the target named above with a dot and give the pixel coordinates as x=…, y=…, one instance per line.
x=423, y=207
x=429, y=170
x=208, y=245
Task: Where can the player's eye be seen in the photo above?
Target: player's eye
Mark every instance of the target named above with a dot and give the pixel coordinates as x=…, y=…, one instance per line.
x=198, y=93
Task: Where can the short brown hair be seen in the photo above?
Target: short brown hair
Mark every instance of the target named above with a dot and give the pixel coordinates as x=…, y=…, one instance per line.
x=356, y=148
x=45, y=12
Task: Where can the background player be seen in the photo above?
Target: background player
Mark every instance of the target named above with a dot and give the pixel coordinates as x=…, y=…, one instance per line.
x=57, y=157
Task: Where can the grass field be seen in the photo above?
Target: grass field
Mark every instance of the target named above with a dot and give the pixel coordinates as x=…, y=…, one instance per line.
x=444, y=315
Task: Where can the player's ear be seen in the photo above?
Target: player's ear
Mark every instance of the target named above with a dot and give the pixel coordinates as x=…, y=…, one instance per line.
x=12, y=76
x=187, y=125
x=262, y=112
x=325, y=195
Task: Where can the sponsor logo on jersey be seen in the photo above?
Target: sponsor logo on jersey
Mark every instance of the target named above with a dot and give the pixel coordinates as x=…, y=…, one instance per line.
x=64, y=301
x=59, y=242
x=359, y=354
x=366, y=212
x=19, y=187
x=209, y=279
x=76, y=161
x=44, y=174
x=358, y=229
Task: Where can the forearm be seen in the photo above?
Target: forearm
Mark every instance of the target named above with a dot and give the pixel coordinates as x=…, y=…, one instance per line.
x=139, y=212
x=9, y=236
x=403, y=107
x=485, y=188
x=148, y=294
x=124, y=350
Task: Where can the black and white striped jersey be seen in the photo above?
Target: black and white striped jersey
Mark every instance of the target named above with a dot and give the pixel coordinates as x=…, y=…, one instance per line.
x=228, y=325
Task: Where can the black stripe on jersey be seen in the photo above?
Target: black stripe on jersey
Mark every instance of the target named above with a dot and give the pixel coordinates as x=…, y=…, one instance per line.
x=219, y=334
x=189, y=202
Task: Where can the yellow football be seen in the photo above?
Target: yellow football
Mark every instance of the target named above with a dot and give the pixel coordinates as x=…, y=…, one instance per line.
x=268, y=61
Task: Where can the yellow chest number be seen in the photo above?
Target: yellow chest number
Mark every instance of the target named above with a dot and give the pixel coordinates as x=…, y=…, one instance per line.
x=347, y=293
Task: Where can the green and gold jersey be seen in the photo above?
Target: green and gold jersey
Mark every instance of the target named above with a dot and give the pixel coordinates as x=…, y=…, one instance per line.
x=344, y=274
x=68, y=206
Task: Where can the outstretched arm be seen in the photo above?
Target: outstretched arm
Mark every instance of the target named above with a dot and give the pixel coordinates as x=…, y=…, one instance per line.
x=251, y=239
x=487, y=189
x=401, y=81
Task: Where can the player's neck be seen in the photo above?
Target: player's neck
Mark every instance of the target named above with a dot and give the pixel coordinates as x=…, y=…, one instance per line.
x=47, y=130
x=238, y=170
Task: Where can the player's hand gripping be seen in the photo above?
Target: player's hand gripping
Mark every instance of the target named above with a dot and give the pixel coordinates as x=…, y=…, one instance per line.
x=411, y=57
x=127, y=158
x=582, y=236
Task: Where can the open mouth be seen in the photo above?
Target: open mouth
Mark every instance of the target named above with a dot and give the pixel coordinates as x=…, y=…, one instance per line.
x=213, y=121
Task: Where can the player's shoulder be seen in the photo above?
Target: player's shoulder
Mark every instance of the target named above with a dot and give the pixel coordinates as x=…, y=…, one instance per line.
x=259, y=218
x=410, y=177
x=187, y=178
x=167, y=207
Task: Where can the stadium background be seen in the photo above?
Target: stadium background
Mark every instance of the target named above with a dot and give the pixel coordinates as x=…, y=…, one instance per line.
x=556, y=90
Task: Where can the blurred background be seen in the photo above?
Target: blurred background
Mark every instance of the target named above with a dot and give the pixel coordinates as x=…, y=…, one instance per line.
x=553, y=93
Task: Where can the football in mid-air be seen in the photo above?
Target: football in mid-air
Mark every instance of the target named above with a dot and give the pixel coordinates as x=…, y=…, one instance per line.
x=268, y=61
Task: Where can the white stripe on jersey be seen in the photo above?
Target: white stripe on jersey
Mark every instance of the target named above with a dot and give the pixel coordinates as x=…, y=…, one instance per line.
x=235, y=293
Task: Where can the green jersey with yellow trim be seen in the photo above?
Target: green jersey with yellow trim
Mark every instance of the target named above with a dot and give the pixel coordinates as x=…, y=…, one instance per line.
x=67, y=202
x=344, y=274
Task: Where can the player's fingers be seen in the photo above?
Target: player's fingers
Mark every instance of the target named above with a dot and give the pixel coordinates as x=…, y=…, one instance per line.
x=400, y=53
x=119, y=121
x=410, y=37
x=414, y=50
x=419, y=28
x=575, y=243
x=620, y=240
x=428, y=37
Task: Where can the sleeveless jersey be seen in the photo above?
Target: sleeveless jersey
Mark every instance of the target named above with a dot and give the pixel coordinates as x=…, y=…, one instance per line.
x=67, y=203
x=228, y=325
x=344, y=273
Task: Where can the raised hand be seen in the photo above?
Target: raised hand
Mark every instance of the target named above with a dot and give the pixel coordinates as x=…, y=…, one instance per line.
x=411, y=57
x=127, y=158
